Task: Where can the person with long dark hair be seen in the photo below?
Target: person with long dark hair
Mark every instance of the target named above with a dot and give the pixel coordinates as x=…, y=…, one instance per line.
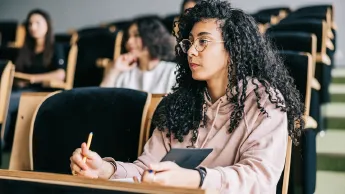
x=233, y=94
x=147, y=65
x=39, y=60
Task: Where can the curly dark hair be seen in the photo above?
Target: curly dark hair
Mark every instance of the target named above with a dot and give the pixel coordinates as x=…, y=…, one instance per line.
x=251, y=56
x=155, y=37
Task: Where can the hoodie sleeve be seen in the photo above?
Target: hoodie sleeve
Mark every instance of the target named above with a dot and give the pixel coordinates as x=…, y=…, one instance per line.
x=262, y=156
x=154, y=150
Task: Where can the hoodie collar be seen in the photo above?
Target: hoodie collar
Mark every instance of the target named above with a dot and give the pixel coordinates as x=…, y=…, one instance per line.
x=225, y=107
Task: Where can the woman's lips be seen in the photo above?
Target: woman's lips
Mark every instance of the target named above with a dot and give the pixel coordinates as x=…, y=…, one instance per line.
x=193, y=65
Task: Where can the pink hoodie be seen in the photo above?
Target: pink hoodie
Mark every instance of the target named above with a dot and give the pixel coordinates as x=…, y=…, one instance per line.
x=248, y=160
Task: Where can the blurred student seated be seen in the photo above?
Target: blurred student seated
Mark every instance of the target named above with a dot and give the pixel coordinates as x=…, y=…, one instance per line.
x=39, y=60
x=147, y=64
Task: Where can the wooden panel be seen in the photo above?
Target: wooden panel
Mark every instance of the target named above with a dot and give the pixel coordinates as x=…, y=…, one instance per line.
x=156, y=99
x=71, y=65
x=287, y=167
x=20, y=36
x=23, y=76
x=143, y=124
x=20, y=151
x=5, y=95
x=5, y=91
x=64, y=182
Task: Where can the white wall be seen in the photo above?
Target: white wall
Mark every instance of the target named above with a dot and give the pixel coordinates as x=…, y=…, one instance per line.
x=69, y=14
x=78, y=13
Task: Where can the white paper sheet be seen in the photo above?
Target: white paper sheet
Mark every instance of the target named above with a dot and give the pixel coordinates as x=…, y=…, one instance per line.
x=126, y=180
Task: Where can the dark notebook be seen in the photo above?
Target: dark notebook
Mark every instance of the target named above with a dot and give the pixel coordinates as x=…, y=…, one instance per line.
x=188, y=158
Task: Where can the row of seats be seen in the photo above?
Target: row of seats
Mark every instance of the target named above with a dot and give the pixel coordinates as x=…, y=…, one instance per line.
x=88, y=61
x=98, y=45
x=12, y=32
x=6, y=82
x=91, y=49
x=130, y=112
x=70, y=116
x=310, y=34
x=306, y=41
x=86, y=56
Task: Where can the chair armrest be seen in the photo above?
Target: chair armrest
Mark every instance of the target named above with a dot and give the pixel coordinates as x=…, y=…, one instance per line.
x=263, y=27
x=49, y=84
x=274, y=20
x=323, y=58
x=310, y=123
x=315, y=84
x=71, y=31
x=23, y=76
x=329, y=44
x=103, y=62
x=334, y=26
x=54, y=84
x=330, y=34
x=282, y=14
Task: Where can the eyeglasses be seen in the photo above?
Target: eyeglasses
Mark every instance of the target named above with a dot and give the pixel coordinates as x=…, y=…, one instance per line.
x=200, y=45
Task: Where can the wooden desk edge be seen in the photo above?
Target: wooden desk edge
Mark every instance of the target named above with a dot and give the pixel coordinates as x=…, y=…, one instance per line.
x=35, y=93
x=74, y=181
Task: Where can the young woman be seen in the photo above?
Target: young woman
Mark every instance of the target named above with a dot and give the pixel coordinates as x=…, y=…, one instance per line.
x=233, y=94
x=39, y=60
x=146, y=64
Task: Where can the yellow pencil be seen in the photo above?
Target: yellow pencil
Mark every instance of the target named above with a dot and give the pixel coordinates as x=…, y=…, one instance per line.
x=88, y=144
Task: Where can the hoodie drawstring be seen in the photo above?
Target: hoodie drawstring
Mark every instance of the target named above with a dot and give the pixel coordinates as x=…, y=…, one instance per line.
x=212, y=126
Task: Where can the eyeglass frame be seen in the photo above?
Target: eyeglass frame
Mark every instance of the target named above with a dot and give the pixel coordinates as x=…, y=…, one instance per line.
x=192, y=43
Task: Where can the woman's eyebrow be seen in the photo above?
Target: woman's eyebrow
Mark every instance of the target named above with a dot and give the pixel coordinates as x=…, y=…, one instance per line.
x=200, y=34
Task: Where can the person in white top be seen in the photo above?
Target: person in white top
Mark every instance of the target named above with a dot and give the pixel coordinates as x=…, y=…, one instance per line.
x=146, y=66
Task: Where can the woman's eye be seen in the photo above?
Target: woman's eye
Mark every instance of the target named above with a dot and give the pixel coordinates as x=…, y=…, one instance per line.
x=203, y=42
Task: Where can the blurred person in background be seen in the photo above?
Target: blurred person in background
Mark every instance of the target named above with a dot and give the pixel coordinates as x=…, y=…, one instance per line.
x=147, y=64
x=39, y=60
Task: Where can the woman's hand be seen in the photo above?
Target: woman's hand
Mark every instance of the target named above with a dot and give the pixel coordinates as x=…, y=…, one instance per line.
x=170, y=174
x=34, y=79
x=125, y=62
x=94, y=167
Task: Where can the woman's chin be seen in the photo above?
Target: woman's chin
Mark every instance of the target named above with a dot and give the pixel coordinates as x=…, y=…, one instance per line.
x=198, y=76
